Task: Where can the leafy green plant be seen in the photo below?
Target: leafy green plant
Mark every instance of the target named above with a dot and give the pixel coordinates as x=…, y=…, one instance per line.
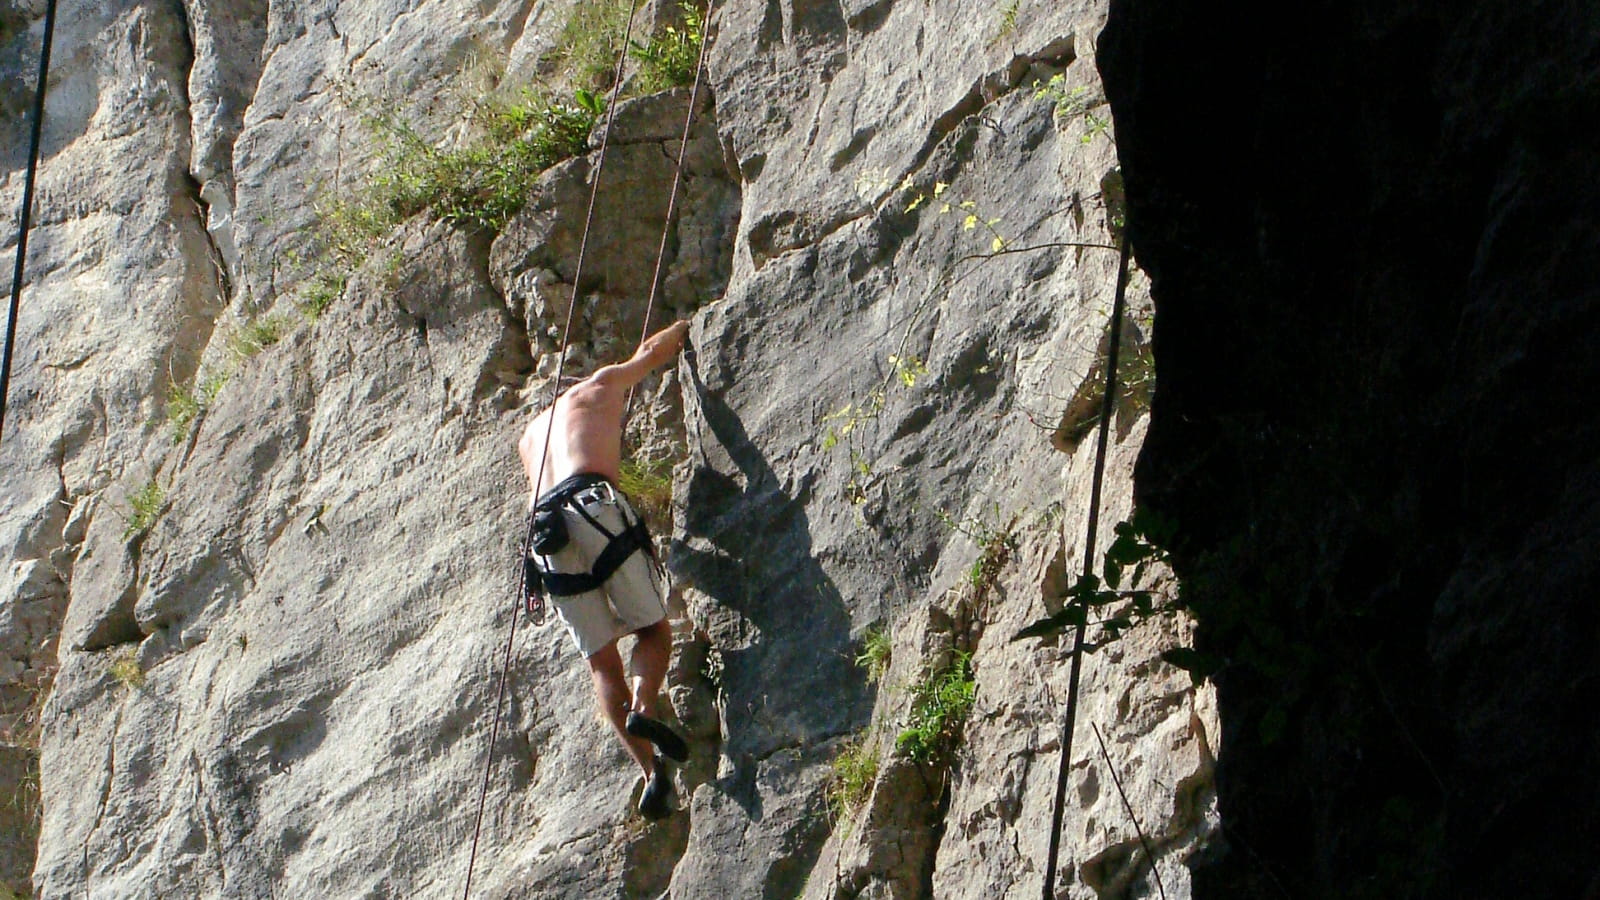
x=483, y=183
x=1074, y=103
x=876, y=651
x=672, y=56
x=144, y=508
x=480, y=182
x=996, y=543
x=851, y=776
x=939, y=707
x=964, y=208
x=1139, y=544
x=126, y=670
x=993, y=554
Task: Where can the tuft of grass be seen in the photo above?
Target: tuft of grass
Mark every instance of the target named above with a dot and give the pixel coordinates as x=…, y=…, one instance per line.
x=672, y=56
x=144, y=508
x=257, y=335
x=648, y=484
x=939, y=707
x=478, y=182
x=876, y=651
x=186, y=403
x=349, y=227
x=482, y=183
x=851, y=776
x=183, y=408
x=587, y=49
x=125, y=669
x=318, y=292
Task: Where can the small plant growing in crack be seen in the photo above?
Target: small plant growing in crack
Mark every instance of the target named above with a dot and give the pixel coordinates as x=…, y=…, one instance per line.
x=1075, y=103
x=1008, y=23
x=256, y=335
x=939, y=706
x=876, y=652
x=144, y=508
x=851, y=776
x=126, y=670
x=187, y=403
x=996, y=543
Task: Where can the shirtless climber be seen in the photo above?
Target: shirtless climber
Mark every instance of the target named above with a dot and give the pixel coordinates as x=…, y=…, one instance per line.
x=595, y=560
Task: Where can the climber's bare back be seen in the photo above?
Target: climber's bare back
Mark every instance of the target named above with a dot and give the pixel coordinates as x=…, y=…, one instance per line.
x=587, y=436
x=587, y=433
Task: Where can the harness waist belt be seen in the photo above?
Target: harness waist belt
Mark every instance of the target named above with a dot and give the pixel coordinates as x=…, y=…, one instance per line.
x=568, y=488
x=619, y=547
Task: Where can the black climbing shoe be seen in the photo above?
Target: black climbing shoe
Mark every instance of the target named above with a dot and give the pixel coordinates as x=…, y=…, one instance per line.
x=670, y=745
x=655, y=803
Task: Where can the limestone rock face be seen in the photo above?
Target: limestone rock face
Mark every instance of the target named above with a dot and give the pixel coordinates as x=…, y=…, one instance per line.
x=259, y=552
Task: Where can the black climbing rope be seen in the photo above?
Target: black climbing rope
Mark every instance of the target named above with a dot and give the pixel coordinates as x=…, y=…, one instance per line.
x=677, y=178
x=1107, y=404
x=24, y=220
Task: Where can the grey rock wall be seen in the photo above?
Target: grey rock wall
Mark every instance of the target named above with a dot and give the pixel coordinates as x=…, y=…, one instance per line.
x=283, y=685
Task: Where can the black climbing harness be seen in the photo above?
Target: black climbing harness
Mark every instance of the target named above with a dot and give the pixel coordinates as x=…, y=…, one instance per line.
x=548, y=535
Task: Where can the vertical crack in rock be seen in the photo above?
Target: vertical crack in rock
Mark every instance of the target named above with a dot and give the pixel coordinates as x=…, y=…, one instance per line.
x=110, y=769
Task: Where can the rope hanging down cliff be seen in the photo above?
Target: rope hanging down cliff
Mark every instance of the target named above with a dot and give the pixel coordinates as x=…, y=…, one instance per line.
x=524, y=595
x=1107, y=404
x=24, y=220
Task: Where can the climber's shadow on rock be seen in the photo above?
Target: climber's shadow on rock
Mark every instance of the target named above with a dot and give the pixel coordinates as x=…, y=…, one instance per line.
x=779, y=622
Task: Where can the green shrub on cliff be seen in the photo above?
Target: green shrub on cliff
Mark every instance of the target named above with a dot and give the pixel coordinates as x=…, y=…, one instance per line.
x=586, y=52
x=648, y=483
x=939, y=707
x=144, y=508
x=482, y=182
x=876, y=651
x=671, y=58
x=851, y=776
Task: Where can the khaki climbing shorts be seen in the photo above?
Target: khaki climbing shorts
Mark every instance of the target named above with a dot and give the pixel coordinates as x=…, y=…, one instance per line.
x=630, y=599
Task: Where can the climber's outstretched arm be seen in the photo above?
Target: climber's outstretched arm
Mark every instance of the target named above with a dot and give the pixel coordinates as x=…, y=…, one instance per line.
x=657, y=350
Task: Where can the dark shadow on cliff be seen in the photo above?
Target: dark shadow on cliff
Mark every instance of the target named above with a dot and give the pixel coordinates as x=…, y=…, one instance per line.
x=780, y=623
x=1376, y=267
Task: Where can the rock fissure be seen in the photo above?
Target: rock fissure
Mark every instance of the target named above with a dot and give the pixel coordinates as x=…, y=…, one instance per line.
x=105, y=790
